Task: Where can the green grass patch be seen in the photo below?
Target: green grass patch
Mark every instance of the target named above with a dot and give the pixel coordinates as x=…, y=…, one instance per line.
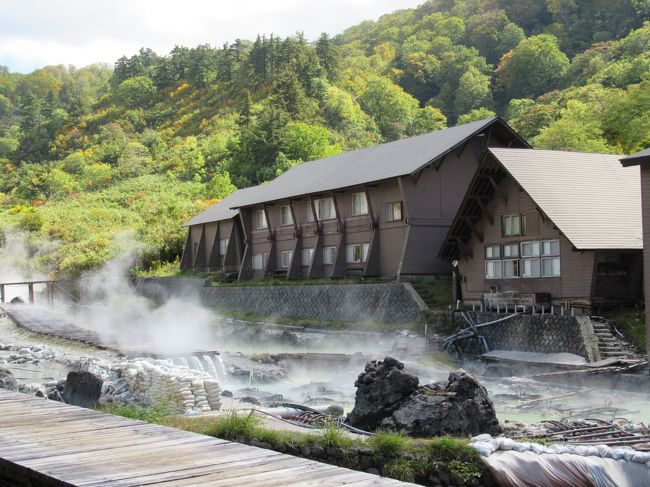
x=333, y=436
x=236, y=426
x=630, y=322
x=437, y=290
x=400, y=469
x=157, y=413
x=388, y=444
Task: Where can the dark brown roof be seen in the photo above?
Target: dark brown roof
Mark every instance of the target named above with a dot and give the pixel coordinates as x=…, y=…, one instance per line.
x=399, y=158
x=640, y=157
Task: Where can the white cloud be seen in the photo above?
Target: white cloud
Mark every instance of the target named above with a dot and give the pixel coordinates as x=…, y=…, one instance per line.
x=35, y=33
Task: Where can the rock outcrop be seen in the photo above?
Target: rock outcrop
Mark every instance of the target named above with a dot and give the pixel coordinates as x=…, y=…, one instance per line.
x=381, y=389
x=7, y=380
x=389, y=398
x=82, y=389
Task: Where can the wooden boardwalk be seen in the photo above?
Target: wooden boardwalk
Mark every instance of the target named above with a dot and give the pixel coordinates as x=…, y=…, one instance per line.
x=53, y=444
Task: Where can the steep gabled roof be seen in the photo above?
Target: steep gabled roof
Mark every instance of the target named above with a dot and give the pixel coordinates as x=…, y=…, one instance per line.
x=637, y=158
x=223, y=209
x=400, y=158
x=590, y=198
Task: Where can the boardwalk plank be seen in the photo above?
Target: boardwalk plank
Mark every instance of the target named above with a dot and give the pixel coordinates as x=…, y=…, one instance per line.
x=69, y=446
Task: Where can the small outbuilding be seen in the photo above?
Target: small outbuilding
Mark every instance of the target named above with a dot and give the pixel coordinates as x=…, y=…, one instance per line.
x=539, y=227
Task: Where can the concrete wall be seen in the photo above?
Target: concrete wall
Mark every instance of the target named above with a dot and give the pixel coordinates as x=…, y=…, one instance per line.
x=393, y=302
x=537, y=333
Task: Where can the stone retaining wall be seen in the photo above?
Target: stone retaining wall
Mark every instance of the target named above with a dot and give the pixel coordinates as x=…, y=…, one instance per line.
x=392, y=302
x=536, y=333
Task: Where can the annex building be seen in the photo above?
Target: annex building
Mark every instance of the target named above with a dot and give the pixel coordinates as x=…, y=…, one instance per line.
x=549, y=227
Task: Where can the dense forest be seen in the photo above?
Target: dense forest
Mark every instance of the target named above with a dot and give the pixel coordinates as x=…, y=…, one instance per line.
x=100, y=158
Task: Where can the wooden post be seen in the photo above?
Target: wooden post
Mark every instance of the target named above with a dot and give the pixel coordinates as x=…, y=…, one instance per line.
x=30, y=287
x=2, y=293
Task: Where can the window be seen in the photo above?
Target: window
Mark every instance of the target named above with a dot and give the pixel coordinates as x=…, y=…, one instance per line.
x=510, y=268
x=329, y=255
x=550, y=258
x=394, y=211
x=307, y=255
x=359, y=204
x=259, y=261
x=530, y=249
x=492, y=262
x=511, y=225
x=223, y=246
x=285, y=259
x=492, y=252
x=530, y=268
x=324, y=209
x=511, y=250
x=357, y=253
x=260, y=219
x=285, y=215
x=492, y=269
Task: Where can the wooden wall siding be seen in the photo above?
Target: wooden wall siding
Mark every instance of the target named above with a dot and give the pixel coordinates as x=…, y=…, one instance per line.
x=576, y=267
x=186, y=258
x=645, y=207
x=214, y=259
x=209, y=233
x=200, y=261
x=432, y=201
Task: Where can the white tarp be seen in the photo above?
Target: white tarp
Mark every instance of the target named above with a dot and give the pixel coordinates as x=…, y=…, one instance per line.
x=528, y=469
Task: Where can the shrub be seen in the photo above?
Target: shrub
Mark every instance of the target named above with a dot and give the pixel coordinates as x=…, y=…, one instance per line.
x=399, y=469
x=333, y=436
x=388, y=444
x=235, y=426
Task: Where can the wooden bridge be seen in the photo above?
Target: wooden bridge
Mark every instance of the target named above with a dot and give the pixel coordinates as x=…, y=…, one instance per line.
x=47, y=443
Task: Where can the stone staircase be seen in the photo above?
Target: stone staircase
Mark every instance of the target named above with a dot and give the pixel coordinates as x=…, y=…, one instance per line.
x=424, y=293
x=610, y=345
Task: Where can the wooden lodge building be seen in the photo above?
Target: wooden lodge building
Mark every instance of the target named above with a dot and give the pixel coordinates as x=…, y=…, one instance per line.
x=382, y=211
x=543, y=226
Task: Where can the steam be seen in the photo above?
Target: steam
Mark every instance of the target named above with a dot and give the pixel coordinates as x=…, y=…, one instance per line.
x=113, y=309
x=19, y=260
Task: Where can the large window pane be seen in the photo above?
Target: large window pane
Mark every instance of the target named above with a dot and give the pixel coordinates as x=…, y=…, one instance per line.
x=530, y=268
x=510, y=268
x=359, y=204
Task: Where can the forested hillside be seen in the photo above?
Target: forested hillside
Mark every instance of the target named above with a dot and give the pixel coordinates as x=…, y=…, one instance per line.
x=141, y=146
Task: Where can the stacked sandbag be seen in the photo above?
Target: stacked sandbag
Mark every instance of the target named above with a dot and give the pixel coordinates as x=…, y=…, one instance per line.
x=200, y=396
x=214, y=393
x=184, y=387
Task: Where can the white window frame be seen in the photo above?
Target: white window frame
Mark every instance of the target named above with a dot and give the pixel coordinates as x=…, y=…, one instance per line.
x=257, y=262
x=325, y=209
x=260, y=220
x=527, y=268
x=285, y=259
x=309, y=253
x=490, y=251
x=507, y=262
x=552, y=256
x=391, y=209
x=535, y=246
x=506, y=223
x=359, y=204
x=357, y=253
x=286, y=218
x=510, y=250
x=329, y=255
x=493, y=269
x=553, y=261
x=223, y=246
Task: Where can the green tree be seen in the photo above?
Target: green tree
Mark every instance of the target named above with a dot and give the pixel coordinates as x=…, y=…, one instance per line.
x=426, y=120
x=135, y=160
x=304, y=142
x=390, y=106
x=475, y=115
x=473, y=91
x=534, y=67
x=136, y=91
x=576, y=130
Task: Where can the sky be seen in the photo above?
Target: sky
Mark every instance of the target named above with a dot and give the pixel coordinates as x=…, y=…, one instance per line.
x=37, y=33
